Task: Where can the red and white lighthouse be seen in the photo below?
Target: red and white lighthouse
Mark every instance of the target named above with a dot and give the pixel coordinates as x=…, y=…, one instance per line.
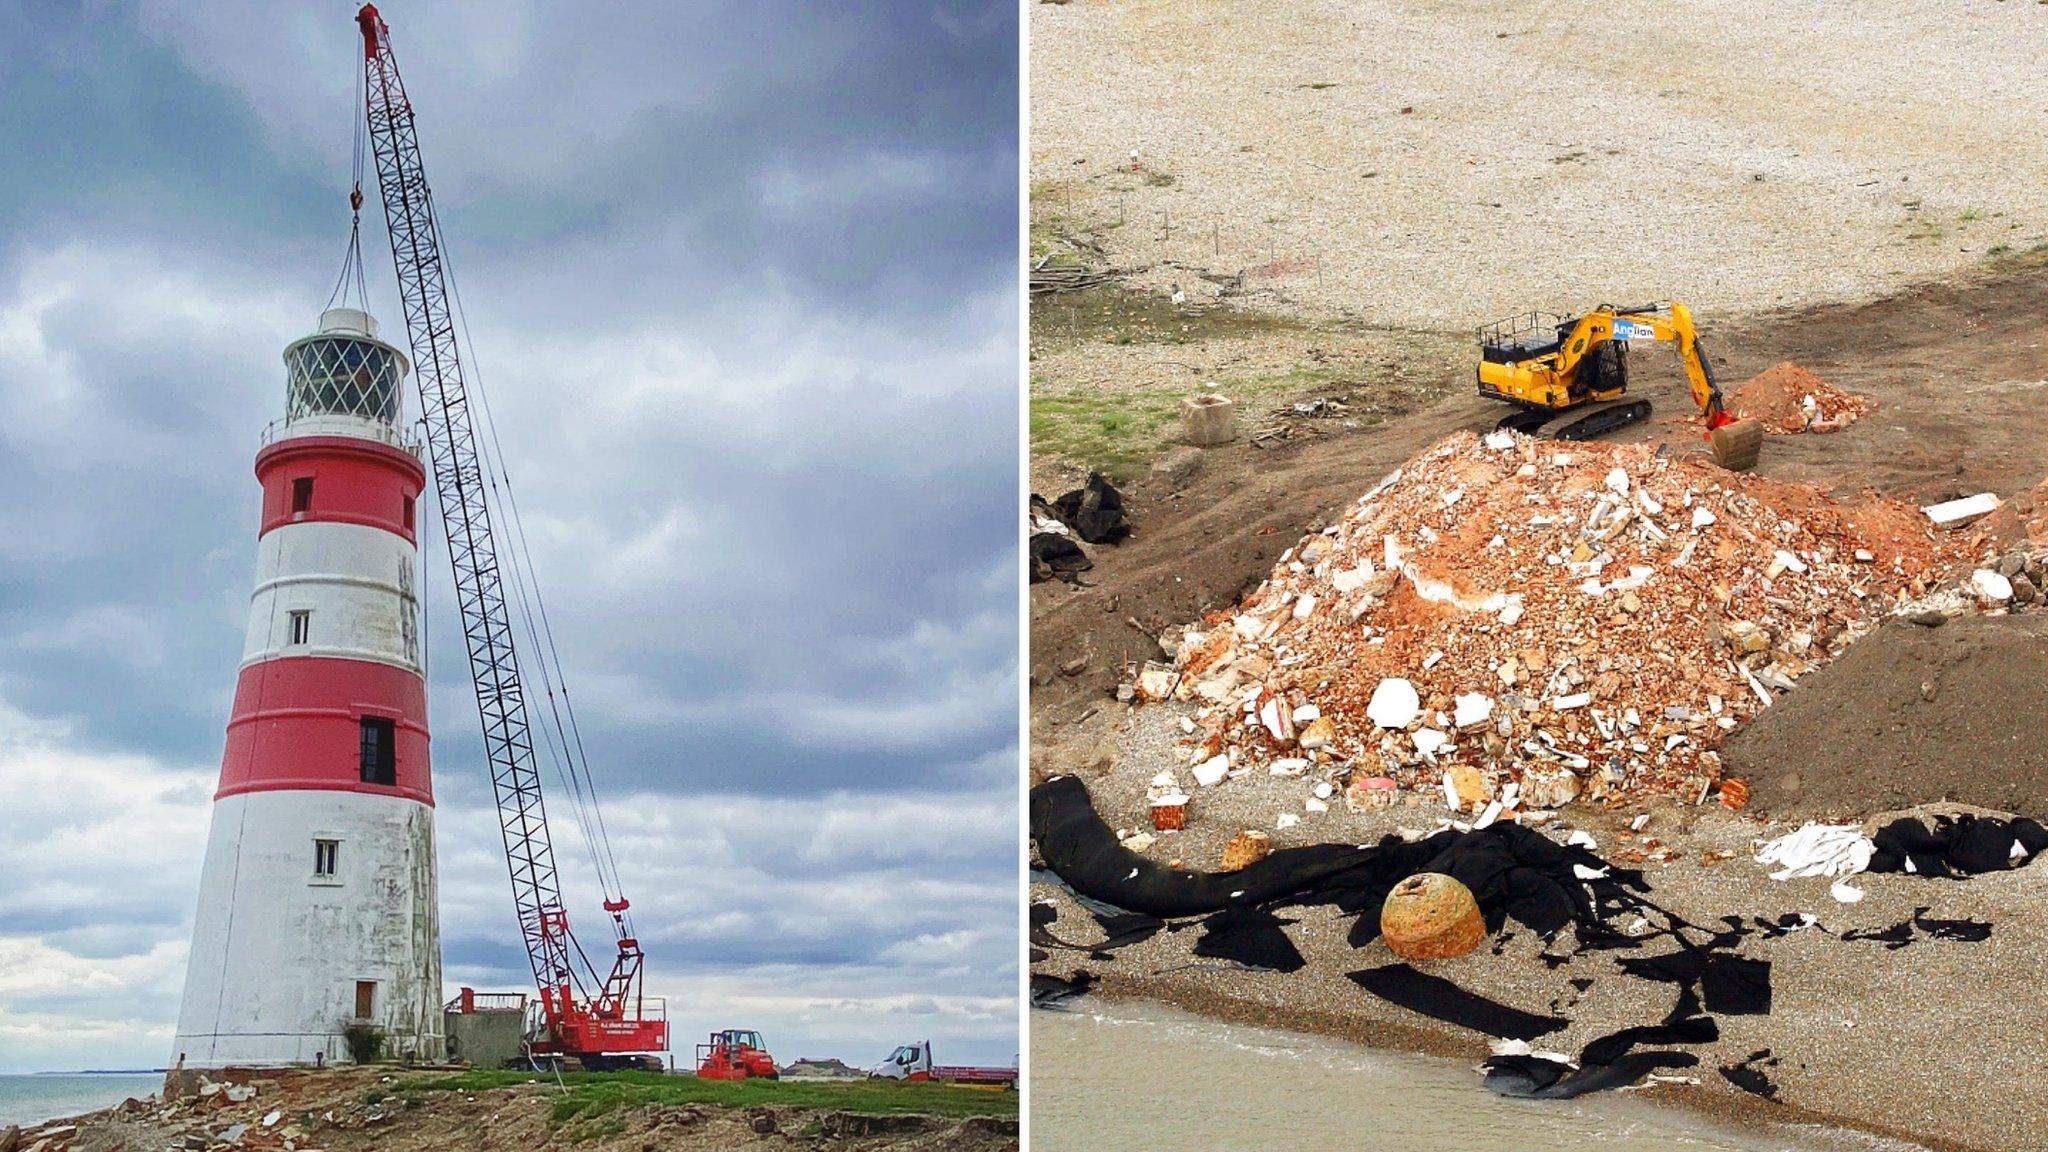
x=318, y=922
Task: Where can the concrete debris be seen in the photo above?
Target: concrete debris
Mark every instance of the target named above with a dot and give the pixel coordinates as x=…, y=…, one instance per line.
x=1588, y=625
x=1952, y=514
x=1394, y=704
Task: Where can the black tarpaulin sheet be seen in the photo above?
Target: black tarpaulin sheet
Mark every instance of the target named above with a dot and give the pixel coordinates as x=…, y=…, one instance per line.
x=1513, y=872
x=1956, y=845
x=1439, y=999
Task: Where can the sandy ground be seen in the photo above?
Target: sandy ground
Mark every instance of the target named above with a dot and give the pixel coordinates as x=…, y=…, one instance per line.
x=1444, y=164
x=1939, y=1041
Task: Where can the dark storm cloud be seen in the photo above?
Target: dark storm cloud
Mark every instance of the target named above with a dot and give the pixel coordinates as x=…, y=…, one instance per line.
x=740, y=281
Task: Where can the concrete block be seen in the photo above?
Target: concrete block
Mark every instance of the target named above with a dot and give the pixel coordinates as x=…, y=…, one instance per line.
x=1957, y=513
x=1208, y=420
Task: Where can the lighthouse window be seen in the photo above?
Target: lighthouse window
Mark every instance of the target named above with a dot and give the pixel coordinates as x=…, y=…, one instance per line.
x=379, y=752
x=366, y=999
x=302, y=626
x=326, y=854
x=408, y=513
x=302, y=494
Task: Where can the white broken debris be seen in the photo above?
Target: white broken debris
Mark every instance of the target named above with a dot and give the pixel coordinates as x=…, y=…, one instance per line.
x=1498, y=441
x=1472, y=710
x=1953, y=514
x=1428, y=741
x=1394, y=704
x=1837, y=850
x=1990, y=587
x=1211, y=772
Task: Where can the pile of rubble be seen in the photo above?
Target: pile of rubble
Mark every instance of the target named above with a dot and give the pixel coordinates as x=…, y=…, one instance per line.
x=1787, y=398
x=1507, y=625
x=2014, y=582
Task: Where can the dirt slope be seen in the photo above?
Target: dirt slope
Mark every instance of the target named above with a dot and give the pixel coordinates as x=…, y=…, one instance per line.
x=1909, y=715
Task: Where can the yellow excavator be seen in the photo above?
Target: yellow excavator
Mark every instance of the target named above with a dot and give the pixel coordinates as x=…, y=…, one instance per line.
x=1547, y=366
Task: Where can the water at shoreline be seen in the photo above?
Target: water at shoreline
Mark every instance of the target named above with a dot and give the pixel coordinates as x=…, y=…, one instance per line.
x=1136, y=1076
x=30, y=1100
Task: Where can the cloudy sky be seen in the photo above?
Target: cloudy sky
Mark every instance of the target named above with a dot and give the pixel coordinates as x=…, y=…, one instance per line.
x=740, y=281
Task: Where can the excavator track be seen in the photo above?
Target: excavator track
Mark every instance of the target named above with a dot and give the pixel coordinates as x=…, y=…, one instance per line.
x=1599, y=422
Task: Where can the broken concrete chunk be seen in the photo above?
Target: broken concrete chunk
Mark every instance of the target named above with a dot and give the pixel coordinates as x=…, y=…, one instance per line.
x=1952, y=514
x=1990, y=587
x=1465, y=788
x=1394, y=704
x=1320, y=733
x=1472, y=710
x=1428, y=741
x=1549, y=787
x=1211, y=772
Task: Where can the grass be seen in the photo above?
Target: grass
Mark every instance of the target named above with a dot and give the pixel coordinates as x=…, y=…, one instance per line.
x=590, y=1101
x=1120, y=432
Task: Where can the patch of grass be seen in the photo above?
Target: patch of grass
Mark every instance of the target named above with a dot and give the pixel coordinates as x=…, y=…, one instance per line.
x=1971, y=215
x=592, y=1096
x=1119, y=433
x=1159, y=179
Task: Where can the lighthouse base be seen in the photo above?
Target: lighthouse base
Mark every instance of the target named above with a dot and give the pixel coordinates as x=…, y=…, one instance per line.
x=318, y=936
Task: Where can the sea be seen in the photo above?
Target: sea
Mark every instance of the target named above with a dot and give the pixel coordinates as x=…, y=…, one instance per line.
x=1133, y=1076
x=27, y=1100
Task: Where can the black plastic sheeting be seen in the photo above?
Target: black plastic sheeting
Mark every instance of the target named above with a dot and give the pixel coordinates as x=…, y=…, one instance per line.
x=1054, y=557
x=1516, y=874
x=1956, y=846
x=1439, y=999
x=1512, y=871
x=1095, y=511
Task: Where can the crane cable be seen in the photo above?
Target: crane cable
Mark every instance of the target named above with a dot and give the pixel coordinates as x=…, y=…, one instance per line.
x=560, y=729
x=352, y=259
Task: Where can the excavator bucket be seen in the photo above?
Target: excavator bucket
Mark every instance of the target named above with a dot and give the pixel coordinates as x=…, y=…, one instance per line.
x=1736, y=445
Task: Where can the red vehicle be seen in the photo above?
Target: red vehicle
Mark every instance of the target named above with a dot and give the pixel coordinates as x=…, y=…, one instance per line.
x=913, y=1062
x=735, y=1054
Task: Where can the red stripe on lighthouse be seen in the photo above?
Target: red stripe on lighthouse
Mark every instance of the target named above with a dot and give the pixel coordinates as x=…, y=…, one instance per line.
x=355, y=481
x=297, y=723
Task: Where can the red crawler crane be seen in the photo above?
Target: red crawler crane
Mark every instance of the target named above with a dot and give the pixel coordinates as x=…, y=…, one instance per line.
x=596, y=1019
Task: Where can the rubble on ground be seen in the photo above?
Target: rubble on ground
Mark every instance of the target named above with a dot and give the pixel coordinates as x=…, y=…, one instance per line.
x=1507, y=625
x=1787, y=398
x=2014, y=582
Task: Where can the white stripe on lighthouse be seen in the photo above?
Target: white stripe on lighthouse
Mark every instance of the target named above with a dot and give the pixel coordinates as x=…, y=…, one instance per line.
x=356, y=584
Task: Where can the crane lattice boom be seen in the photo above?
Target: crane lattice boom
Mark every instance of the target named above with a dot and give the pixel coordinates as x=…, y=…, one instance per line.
x=577, y=1024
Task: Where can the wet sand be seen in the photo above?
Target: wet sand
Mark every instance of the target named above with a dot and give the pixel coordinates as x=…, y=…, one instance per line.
x=1116, y=1075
